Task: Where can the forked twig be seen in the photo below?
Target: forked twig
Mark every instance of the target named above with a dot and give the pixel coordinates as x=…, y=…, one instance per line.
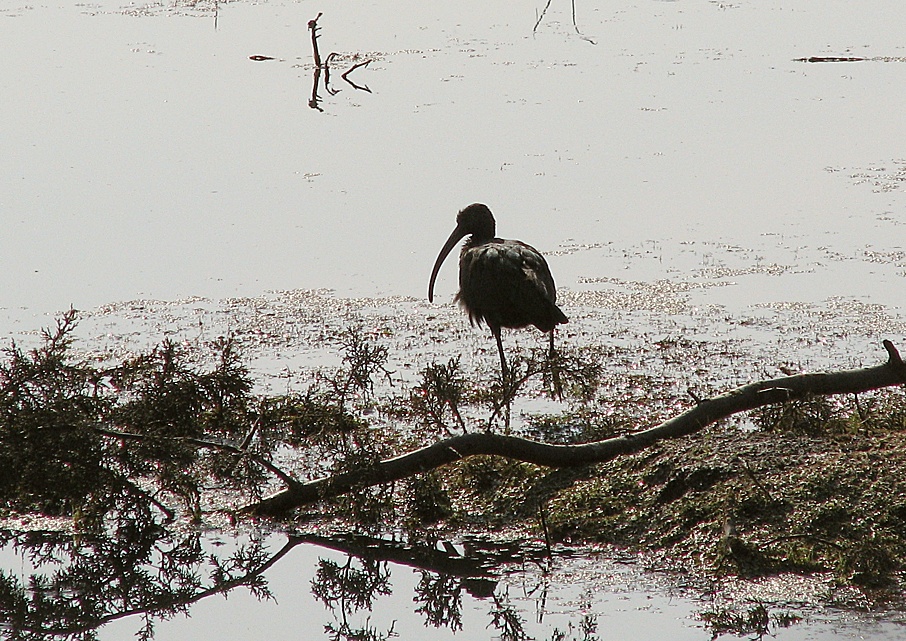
x=353, y=68
x=313, y=27
x=575, y=24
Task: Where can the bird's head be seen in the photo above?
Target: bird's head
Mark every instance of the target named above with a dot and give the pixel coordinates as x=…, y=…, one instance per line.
x=477, y=220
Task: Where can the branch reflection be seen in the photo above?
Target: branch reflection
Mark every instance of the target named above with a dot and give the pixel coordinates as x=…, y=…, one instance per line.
x=79, y=584
x=68, y=587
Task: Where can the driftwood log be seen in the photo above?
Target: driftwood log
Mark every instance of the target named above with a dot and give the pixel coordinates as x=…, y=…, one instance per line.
x=704, y=413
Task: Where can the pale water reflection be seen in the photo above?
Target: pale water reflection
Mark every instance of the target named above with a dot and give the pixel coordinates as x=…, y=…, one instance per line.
x=269, y=586
x=150, y=157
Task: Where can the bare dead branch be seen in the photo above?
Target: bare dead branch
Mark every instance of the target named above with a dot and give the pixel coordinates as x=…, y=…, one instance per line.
x=313, y=27
x=541, y=16
x=353, y=68
x=314, y=101
x=206, y=444
x=326, y=66
x=575, y=24
x=704, y=413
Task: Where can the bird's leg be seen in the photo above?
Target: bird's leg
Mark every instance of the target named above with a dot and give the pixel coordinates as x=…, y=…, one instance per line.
x=503, y=368
x=507, y=386
x=557, y=384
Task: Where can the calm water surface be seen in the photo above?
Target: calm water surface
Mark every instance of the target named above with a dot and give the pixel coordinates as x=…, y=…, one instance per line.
x=150, y=157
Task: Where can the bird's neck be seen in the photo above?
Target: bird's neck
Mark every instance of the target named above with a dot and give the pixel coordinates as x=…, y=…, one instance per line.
x=477, y=241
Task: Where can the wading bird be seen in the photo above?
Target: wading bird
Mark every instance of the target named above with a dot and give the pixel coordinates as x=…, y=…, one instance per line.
x=503, y=283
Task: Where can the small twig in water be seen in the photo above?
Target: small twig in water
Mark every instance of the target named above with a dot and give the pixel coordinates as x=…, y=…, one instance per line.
x=575, y=24
x=353, y=68
x=331, y=56
x=313, y=27
x=541, y=16
x=830, y=59
x=547, y=535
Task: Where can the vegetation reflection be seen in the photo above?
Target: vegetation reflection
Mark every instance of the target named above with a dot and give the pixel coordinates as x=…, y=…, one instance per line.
x=78, y=584
x=81, y=583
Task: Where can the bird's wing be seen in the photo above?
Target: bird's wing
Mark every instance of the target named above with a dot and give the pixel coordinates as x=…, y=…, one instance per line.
x=508, y=283
x=536, y=271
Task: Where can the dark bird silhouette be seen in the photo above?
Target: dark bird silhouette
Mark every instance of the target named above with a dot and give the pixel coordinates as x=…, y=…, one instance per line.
x=503, y=283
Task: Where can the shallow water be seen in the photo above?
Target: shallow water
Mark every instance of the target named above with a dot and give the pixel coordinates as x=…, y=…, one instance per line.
x=685, y=174
x=317, y=590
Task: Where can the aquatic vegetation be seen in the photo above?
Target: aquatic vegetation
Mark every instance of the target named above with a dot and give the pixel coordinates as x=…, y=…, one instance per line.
x=811, y=485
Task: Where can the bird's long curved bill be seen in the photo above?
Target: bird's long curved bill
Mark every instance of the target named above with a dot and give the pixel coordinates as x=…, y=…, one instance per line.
x=454, y=238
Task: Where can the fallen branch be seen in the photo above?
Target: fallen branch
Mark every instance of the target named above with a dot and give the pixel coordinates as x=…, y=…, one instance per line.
x=704, y=413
